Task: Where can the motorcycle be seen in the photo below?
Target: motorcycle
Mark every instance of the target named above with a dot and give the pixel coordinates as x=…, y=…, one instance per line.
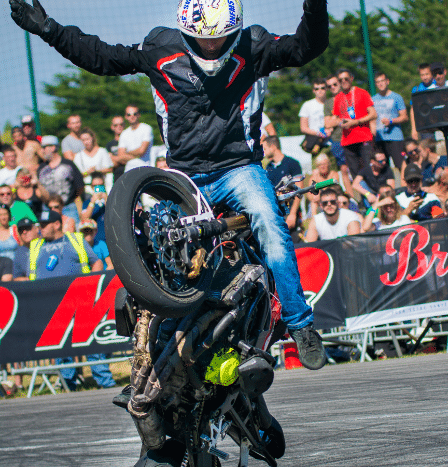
x=201, y=306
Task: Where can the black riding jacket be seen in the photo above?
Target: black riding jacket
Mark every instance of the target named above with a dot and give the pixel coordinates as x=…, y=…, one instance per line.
x=208, y=123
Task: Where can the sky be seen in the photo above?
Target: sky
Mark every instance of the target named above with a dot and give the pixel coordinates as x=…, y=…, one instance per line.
x=117, y=21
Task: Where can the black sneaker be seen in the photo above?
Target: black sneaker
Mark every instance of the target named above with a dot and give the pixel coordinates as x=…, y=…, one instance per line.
x=123, y=398
x=310, y=347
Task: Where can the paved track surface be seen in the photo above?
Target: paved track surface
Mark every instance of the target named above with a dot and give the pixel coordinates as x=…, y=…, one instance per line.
x=385, y=413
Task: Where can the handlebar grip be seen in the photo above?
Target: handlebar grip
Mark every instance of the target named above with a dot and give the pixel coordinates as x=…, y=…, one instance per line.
x=324, y=184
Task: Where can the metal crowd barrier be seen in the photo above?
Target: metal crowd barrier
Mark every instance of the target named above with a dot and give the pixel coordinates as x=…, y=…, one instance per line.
x=413, y=330
x=49, y=370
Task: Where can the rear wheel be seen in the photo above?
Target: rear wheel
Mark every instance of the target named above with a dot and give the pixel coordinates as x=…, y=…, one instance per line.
x=151, y=273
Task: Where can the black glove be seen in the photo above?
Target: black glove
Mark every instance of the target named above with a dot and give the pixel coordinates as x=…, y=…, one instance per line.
x=31, y=18
x=314, y=5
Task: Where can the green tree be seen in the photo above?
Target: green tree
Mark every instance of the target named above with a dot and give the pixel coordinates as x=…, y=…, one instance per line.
x=96, y=99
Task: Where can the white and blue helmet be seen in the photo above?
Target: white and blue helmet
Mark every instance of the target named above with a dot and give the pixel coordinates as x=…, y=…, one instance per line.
x=209, y=18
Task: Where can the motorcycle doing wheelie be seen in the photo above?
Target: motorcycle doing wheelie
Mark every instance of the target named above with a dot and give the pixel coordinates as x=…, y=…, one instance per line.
x=201, y=306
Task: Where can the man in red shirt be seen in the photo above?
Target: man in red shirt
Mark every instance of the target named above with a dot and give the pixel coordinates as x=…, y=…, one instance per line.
x=355, y=110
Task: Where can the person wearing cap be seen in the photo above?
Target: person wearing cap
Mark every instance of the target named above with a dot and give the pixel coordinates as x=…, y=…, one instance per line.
x=57, y=254
x=438, y=72
x=209, y=78
x=29, y=152
x=89, y=229
x=416, y=203
x=61, y=176
x=28, y=231
x=29, y=129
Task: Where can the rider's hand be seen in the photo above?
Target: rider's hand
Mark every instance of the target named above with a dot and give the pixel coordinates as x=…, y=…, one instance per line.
x=31, y=18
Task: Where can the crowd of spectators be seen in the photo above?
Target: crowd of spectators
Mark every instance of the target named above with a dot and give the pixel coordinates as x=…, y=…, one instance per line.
x=388, y=179
x=364, y=148
x=53, y=194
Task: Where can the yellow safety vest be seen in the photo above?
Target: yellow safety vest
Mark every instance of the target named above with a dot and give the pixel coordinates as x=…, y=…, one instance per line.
x=77, y=241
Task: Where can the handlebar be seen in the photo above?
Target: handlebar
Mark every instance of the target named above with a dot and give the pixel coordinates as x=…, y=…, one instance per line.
x=313, y=188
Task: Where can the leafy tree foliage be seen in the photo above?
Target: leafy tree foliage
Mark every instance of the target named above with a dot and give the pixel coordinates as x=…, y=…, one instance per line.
x=96, y=99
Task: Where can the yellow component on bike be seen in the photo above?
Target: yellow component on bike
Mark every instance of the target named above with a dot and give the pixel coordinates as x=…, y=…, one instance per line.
x=223, y=368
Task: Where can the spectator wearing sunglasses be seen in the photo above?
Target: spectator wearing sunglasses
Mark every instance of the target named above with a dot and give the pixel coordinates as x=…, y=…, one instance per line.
x=417, y=204
x=135, y=141
x=312, y=112
x=117, y=127
x=413, y=155
x=438, y=72
x=355, y=110
x=19, y=209
x=390, y=214
x=370, y=178
x=332, y=222
x=334, y=130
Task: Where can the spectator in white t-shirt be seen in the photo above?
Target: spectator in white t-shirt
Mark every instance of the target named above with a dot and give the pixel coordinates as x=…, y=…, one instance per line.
x=92, y=158
x=312, y=112
x=9, y=172
x=333, y=222
x=135, y=141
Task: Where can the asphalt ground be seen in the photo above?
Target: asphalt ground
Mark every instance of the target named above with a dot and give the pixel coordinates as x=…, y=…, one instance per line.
x=383, y=413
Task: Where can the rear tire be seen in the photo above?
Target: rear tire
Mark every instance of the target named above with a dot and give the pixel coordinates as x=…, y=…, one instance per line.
x=130, y=251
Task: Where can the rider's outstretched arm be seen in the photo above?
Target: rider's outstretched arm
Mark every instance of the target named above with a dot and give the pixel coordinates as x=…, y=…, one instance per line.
x=308, y=42
x=83, y=50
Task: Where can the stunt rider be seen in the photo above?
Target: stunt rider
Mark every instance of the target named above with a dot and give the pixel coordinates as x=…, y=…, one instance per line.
x=209, y=78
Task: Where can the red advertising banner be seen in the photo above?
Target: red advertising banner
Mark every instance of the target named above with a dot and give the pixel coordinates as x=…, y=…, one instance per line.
x=58, y=318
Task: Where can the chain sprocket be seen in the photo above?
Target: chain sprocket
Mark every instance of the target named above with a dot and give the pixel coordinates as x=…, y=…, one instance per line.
x=164, y=216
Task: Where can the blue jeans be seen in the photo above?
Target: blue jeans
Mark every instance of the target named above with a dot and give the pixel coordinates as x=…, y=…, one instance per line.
x=247, y=189
x=101, y=373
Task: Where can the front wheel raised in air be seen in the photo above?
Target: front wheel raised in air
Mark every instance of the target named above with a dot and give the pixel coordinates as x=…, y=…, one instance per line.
x=154, y=279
